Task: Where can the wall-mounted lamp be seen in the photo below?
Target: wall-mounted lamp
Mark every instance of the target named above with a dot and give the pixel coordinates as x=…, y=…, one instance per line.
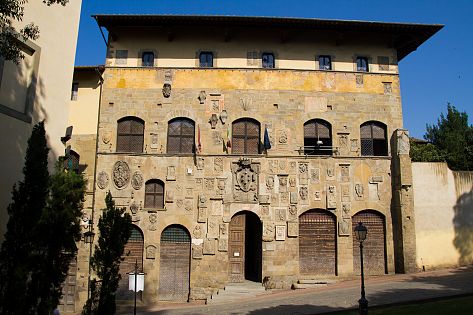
x=89, y=235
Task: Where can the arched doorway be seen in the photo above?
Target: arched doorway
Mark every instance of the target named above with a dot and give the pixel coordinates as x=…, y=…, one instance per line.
x=174, y=264
x=133, y=253
x=245, y=247
x=317, y=243
x=374, y=247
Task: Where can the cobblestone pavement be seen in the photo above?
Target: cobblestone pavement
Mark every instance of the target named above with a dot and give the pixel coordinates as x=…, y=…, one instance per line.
x=340, y=296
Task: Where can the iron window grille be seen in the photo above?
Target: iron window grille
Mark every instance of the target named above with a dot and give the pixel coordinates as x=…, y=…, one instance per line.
x=373, y=139
x=130, y=135
x=317, y=137
x=181, y=136
x=246, y=136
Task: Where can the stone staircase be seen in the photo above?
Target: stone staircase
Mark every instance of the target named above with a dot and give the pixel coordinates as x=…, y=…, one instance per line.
x=236, y=291
x=311, y=283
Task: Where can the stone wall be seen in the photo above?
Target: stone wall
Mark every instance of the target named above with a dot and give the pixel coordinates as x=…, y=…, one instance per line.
x=201, y=190
x=443, y=204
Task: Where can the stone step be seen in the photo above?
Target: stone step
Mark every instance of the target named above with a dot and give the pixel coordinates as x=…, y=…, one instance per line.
x=311, y=283
x=298, y=286
x=236, y=291
x=316, y=281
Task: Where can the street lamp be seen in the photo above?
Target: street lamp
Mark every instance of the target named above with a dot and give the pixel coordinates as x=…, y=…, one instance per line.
x=89, y=239
x=360, y=232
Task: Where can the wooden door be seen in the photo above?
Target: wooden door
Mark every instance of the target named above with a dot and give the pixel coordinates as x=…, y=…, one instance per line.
x=174, y=264
x=67, y=301
x=236, y=248
x=317, y=243
x=374, y=249
x=133, y=253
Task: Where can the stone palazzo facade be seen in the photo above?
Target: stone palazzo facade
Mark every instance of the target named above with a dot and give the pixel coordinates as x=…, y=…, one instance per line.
x=254, y=162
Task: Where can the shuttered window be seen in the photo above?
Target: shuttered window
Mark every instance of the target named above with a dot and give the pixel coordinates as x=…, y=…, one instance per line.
x=317, y=137
x=373, y=139
x=154, y=194
x=130, y=135
x=181, y=136
x=246, y=136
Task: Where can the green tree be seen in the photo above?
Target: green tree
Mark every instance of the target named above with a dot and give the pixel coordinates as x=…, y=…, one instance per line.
x=57, y=232
x=425, y=153
x=115, y=230
x=453, y=137
x=28, y=201
x=10, y=37
x=41, y=233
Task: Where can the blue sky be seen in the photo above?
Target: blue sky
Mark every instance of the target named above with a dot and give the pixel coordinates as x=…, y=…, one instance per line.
x=440, y=71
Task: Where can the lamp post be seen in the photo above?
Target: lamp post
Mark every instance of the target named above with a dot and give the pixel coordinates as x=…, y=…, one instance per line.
x=136, y=282
x=360, y=233
x=89, y=239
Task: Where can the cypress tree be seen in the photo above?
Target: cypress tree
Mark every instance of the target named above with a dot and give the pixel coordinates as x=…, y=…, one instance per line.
x=28, y=201
x=115, y=229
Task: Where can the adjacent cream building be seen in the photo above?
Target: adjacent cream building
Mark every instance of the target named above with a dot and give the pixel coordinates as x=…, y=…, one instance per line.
x=248, y=149
x=39, y=88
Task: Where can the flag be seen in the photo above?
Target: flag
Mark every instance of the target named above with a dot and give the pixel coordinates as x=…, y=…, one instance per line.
x=199, y=144
x=266, y=143
x=228, y=141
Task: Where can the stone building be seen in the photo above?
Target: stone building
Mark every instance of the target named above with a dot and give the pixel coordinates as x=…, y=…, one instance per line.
x=248, y=148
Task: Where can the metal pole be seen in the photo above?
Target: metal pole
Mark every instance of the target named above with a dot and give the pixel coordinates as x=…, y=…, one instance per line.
x=363, y=302
x=136, y=271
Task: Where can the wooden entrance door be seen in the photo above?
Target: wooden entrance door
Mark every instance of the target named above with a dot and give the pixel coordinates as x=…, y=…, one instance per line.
x=174, y=265
x=374, y=250
x=133, y=253
x=317, y=243
x=236, y=248
x=67, y=301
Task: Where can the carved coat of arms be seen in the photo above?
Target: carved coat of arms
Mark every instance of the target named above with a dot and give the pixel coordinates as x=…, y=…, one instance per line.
x=245, y=181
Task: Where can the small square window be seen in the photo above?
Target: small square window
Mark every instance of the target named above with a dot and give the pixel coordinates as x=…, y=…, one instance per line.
x=147, y=59
x=325, y=63
x=362, y=64
x=75, y=91
x=206, y=59
x=267, y=60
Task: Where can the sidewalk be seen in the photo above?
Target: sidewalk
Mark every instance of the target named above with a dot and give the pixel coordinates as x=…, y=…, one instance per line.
x=380, y=290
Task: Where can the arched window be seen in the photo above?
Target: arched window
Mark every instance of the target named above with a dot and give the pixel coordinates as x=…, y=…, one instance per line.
x=130, y=135
x=317, y=137
x=154, y=194
x=246, y=136
x=71, y=162
x=181, y=136
x=373, y=139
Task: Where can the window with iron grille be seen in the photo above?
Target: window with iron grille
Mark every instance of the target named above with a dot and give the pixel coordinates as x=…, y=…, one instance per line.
x=325, y=63
x=130, y=134
x=181, y=136
x=267, y=60
x=246, y=136
x=72, y=161
x=154, y=194
x=206, y=59
x=75, y=91
x=317, y=137
x=147, y=59
x=362, y=64
x=373, y=139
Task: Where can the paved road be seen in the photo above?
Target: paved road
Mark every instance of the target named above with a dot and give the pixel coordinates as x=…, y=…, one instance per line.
x=343, y=295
